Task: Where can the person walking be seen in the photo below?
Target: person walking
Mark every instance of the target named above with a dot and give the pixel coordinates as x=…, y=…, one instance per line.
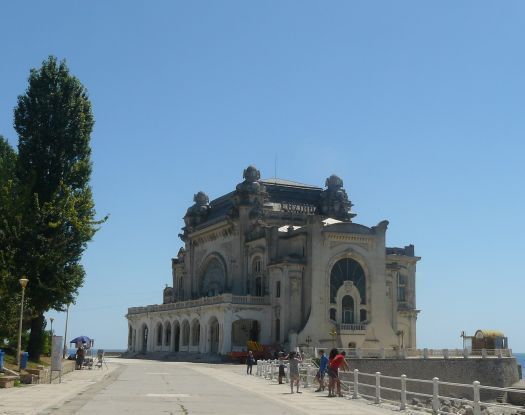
x=294, y=359
x=323, y=365
x=250, y=360
x=339, y=361
x=332, y=373
x=281, y=368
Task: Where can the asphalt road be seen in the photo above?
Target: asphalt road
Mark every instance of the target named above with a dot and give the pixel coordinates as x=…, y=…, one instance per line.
x=150, y=387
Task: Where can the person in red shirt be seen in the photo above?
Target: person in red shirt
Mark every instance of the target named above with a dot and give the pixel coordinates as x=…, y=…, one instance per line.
x=336, y=361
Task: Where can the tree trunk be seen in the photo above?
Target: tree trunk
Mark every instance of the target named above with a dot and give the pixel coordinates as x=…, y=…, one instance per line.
x=36, y=338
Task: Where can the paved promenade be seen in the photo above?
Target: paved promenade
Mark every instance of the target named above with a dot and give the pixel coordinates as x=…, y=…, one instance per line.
x=151, y=387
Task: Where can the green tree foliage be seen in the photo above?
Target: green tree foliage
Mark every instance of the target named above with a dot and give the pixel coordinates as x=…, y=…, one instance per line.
x=10, y=224
x=54, y=121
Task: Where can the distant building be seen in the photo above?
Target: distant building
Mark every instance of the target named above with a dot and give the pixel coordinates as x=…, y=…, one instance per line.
x=280, y=262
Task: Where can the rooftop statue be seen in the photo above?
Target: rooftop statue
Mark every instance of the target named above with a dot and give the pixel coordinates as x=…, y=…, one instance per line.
x=197, y=213
x=334, y=200
x=250, y=184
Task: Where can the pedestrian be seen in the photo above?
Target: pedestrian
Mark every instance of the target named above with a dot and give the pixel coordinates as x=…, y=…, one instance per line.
x=323, y=364
x=339, y=361
x=281, y=368
x=332, y=374
x=250, y=360
x=294, y=359
x=79, y=358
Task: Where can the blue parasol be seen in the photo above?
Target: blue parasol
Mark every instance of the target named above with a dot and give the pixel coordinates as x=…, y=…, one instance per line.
x=81, y=339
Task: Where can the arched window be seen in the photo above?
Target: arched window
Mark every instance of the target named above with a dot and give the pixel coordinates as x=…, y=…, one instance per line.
x=180, y=291
x=214, y=278
x=401, y=287
x=256, y=265
x=258, y=287
x=347, y=270
x=348, y=310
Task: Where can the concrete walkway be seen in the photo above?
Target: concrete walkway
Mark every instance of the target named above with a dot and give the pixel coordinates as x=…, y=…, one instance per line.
x=149, y=387
x=39, y=399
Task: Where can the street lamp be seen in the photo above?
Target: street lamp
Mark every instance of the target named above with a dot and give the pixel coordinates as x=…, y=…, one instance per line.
x=333, y=333
x=65, y=334
x=51, y=319
x=23, y=282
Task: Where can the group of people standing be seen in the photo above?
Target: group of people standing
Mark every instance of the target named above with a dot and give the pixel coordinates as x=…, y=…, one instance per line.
x=328, y=365
x=331, y=365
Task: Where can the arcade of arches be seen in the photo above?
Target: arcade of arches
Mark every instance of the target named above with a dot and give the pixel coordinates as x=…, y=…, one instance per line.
x=191, y=336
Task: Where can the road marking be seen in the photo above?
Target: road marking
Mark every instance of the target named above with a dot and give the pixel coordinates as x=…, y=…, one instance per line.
x=154, y=373
x=167, y=395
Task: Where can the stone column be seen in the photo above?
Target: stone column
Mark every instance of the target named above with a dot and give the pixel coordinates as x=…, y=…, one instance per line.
x=226, y=345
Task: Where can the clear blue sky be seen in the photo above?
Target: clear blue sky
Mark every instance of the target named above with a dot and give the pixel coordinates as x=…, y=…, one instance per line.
x=418, y=106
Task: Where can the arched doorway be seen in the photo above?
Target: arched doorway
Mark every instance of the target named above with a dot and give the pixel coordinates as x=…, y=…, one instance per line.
x=144, y=337
x=176, y=336
x=158, y=331
x=167, y=335
x=214, y=336
x=186, y=335
x=195, y=332
x=244, y=330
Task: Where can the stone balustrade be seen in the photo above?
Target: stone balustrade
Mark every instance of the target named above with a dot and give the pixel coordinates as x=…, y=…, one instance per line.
x=226, y=298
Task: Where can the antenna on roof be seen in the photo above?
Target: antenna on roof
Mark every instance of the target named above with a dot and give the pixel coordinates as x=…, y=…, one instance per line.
x=275, y=167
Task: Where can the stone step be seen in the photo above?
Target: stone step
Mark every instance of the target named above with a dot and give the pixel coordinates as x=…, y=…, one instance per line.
x=8, y=381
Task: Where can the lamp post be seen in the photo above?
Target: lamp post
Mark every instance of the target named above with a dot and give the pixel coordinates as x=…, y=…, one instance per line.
x=333, y=333
x=65, y=334
x=23, y=282
x=51, y=319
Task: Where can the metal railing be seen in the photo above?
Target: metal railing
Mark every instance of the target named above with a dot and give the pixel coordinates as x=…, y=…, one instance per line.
x=352, y=327
x=373, y=389
x=402, y=353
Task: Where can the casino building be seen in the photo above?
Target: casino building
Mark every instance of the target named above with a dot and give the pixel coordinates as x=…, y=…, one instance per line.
x=281, y=263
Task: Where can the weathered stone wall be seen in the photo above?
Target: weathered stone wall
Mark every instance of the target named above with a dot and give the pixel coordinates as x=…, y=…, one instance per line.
x=490, y=372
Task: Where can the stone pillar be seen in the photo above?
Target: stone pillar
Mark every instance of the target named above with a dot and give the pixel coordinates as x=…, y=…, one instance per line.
x=226, y=344
x=295, y=298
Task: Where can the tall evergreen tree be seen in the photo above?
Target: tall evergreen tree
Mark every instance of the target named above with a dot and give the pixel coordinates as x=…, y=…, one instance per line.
x=9, y=231
x=54, y=121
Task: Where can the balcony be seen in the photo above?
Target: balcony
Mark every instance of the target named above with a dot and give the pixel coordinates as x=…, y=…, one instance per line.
x=203, y=301
x=354, y=328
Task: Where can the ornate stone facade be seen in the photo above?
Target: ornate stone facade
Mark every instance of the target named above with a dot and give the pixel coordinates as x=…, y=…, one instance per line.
x=281, y=263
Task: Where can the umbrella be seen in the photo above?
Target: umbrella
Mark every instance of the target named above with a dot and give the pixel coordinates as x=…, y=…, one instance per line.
x=81, y=339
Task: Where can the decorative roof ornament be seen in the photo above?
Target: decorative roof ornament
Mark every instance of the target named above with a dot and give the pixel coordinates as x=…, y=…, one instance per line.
x=251, y=192
x=334, y=183
x=198, y=213
x=334, y=201
x=251, y=183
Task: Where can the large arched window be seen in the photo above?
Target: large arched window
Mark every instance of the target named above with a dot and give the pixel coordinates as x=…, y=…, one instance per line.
x=347, y=270
x=214, y=278
x=348, y=310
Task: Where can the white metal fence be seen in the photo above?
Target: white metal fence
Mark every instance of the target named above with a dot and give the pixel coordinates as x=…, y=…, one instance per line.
x=398, y=353
x=373, y=386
